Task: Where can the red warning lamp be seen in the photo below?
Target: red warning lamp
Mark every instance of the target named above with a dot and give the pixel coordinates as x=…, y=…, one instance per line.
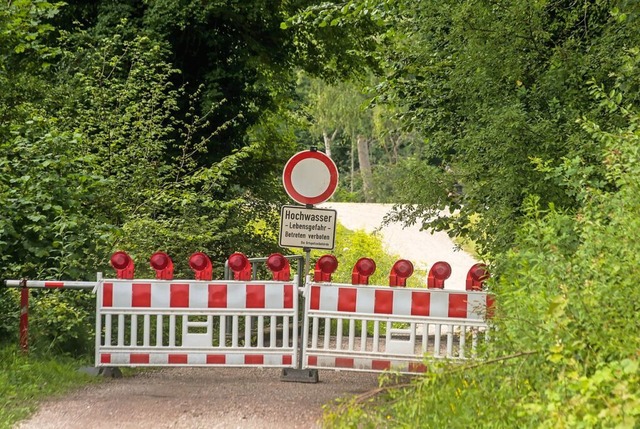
x=439, y=272
x=163, y=266
x=123, y=264
x=240, y=266
x=279, y=266
x=400, y=272
x=201, y=265
x=325, y=266
x=364, y=268
x=476, y=276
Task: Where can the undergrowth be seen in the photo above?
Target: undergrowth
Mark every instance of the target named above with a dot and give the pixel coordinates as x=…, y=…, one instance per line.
x=26, y=380
x=566, y=351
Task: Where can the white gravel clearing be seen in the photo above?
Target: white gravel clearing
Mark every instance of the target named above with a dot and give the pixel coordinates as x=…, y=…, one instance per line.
x=242, y=397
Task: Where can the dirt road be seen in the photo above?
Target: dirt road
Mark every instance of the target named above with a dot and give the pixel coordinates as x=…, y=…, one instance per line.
x=239, y=397
x=200, y=398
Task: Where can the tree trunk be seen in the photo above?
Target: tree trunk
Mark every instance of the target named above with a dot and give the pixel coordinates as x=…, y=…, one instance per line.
x=365, y=167
x=353, y=168
x=328, y=141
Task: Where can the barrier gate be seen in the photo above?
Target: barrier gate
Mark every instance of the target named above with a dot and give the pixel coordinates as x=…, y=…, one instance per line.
x=375, y=328
x=197, y=323
x=260, y=323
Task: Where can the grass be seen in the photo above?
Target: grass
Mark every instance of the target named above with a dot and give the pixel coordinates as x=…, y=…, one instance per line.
x=26, y=380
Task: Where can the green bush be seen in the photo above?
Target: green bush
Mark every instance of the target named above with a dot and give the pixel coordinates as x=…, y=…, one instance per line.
x=565, y=352
x=10, y=310
x=62, y=322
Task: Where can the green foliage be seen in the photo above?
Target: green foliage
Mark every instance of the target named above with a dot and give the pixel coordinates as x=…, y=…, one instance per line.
x=62, y=322
x=46, y=190
x=24, y=381
x=494, y=91
x=103, y=147
x=10, y=309
x=328, y=45
x=565, y=351
x=233, y=52
x=25, y=29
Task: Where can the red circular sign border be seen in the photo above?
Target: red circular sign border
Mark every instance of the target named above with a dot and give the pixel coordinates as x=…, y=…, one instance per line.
x=288, y=170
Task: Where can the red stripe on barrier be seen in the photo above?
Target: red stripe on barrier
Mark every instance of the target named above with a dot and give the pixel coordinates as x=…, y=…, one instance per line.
x=255, y=296
x=347, y=299
x=381, y=365
x=54, y=284
x=141, y=295
x=179, y=295
x=458, y=305
x=315, y=298
x=420, y=303
x=105, y=358
x=288, y=296
x=313, y=361
x=217, y=296
x=139, y=358
x=107, y=295
x=286, y=360
x=344, y=362
x=216, y=359
x=178, y=359
x=254, y=360
x=383, y=302
x=417, y=367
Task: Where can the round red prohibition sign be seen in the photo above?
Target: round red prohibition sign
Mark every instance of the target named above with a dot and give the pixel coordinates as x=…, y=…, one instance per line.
x=310, y=177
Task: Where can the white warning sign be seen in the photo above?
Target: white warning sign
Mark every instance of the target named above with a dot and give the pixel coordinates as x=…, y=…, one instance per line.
x=304, y=227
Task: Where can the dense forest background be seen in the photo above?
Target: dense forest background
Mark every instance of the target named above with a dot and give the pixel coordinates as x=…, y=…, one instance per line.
x=165, y=125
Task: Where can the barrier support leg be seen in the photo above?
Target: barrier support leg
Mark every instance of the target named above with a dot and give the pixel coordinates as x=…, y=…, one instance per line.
x=24, y=317
x=299, y=375
x=106, y=372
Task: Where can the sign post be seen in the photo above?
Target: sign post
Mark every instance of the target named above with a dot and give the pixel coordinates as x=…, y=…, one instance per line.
x=309, y=177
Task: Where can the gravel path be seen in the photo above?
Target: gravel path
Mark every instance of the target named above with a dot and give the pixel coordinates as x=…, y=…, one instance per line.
x=200, y=398
x=241, y=397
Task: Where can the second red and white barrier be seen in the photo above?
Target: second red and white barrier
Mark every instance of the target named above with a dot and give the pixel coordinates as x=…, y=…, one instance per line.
x=378, y=328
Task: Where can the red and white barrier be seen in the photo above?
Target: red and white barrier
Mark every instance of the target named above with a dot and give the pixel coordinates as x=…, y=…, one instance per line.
x=377, y=328
x=196, y=323
x=399, y=302
x=50, y=284
x=195, y=294
x=244, y=322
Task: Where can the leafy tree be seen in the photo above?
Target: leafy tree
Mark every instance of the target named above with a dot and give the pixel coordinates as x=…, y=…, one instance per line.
x=339, y=110
x=233, y=53
x=490, y=86
x=564, y=353
x=103, y=149
x=360, y=137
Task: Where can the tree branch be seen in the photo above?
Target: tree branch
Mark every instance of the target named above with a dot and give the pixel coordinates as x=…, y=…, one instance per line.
x=375, y=392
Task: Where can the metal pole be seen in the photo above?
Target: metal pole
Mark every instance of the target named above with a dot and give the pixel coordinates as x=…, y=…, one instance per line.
x=307, y=267
x=24, y=316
